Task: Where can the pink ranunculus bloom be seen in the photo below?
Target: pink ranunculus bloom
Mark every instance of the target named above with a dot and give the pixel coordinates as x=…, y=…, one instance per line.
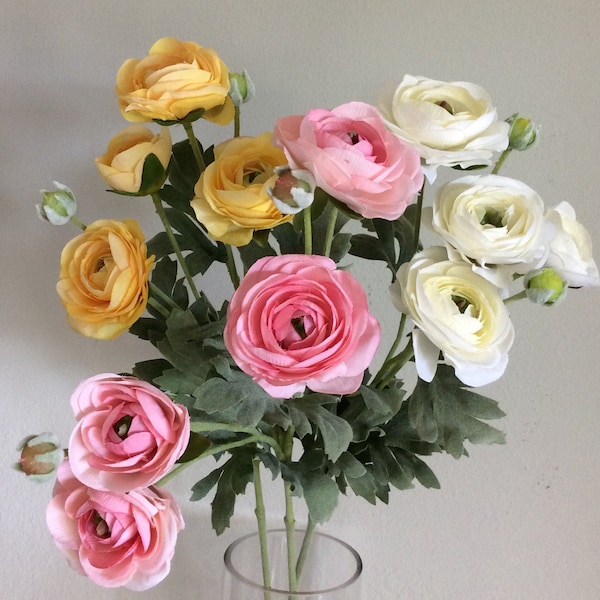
x=354, y=158
x=128, y=433
x=296, y=321
x=115, y=539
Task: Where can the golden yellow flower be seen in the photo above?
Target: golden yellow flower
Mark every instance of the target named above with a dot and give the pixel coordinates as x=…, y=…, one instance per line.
x=175, y=79
x=104, y=278
x=231, y=195
x=123, y=163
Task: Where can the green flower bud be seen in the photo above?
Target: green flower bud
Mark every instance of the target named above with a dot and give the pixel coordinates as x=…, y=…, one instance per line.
x=241, y=88
x=522, y=134
x=294, y=190
x=57, y=207
x=40, y=456
x=545, y=286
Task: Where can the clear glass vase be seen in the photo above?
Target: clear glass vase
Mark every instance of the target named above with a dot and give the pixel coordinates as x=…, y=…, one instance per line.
x=330, y=570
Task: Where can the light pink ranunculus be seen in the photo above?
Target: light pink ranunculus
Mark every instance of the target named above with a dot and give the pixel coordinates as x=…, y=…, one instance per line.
x=115, y=539
x=296, y=321
x=128, y=433
x=354, y=158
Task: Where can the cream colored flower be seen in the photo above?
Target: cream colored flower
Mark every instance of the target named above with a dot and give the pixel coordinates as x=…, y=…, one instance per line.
x=455, y=311
x=571, y=248
x=450, y=123
x=123, y=163
x=496, y=223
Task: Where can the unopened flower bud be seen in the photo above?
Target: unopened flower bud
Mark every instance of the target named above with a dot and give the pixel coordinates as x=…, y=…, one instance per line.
x=241, y=88
x=40, y=456
x=57, y=207
x=522, y=134
x=294, y=190
x=545, y=286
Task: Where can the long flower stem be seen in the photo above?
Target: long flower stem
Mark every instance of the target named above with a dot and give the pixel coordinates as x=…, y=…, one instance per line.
x=77, y=222
x=518, y=296
x=306, y=543
x=236, y=122
x=261, y=519
x=500, y=161
x=159, y=294
x=330, y=230
x=393, y=365
x=393, y=347
x=189, y=130
x=307, y=231
x=158, y=307
x=231, y=268
x=160, y=211
x=417, y=232
x=289, y=519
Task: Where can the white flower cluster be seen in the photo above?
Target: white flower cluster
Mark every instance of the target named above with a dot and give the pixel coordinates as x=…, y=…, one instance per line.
x=494, y=230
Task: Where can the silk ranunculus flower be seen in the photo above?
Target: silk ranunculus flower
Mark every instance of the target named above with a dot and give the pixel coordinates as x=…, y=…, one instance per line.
x=455, y=311
x=571, y=248
x=495, y=223
x=174, y=80
x=450, y=123
x=232, y=198
x=354, y=158
x=115, y=539
x=128, y=433
x=103, y=281
x=296, y=321
x=122, y=164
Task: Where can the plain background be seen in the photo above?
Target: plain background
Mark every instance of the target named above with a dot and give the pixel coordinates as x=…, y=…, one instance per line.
x=519, y=521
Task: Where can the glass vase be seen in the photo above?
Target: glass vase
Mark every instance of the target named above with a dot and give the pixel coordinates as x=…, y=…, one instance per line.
x=330, y=569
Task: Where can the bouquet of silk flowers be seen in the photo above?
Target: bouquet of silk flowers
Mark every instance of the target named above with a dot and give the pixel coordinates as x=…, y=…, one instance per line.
x=282, y=377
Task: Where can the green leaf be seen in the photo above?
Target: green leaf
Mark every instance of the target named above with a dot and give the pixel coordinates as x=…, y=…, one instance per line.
x=446, y=412
x=150, y=370
x=183, y=170
x=153, y=175
x=197, y=444
x=367, y=246
x=321, y=495
x=202, y=487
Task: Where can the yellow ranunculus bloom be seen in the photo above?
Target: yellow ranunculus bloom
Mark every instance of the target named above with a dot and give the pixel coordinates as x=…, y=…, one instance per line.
x=123, y=163
x=231, y=195
x=175, y=79
x=104, y=278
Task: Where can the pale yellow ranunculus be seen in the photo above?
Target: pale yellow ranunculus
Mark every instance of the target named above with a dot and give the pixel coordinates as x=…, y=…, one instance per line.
x=123, y=163
x=232, y=199
x=104, y=275
x=174, y=80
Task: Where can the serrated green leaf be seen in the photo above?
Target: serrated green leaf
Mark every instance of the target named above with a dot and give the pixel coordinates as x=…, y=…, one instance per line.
x=202, y=487
x=150, y=370
x=350, y=465
x=366, y=246
x=321, y=495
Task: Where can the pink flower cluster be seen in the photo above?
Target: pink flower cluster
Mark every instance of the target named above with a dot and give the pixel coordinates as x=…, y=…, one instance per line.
x=106, y=515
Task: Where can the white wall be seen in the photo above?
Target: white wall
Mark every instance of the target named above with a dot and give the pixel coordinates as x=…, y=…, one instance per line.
x=519, y=521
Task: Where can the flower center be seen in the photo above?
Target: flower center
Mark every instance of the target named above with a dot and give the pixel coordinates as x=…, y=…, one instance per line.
x=298, y=325
x=121, y=427
x=461, y=303
x=102, y=529
x=493, y=217
x=353, y=135
x=447, y=107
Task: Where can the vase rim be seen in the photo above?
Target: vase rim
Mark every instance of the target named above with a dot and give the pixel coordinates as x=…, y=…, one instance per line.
x=349, y=581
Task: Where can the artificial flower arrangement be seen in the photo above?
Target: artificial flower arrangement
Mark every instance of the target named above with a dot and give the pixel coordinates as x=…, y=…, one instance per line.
x=281, y=377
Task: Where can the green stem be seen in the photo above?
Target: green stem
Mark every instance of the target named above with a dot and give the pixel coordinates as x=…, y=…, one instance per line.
x=393, y=348
x=307, y=231
x=189, y=130
x=158, y=307
x=231, y=268
x=418, y=218
x=236, y=122
x=330, y=230
x=160, y=211
x=261, y=519
x=306, y=543
x=159, y=294
x=77, y=222
x=289, y=519
x=392, y=366
x=500, y=161
x=518, y=296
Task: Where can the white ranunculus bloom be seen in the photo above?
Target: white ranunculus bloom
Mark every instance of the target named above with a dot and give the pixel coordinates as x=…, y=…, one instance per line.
x=571, y=248
x=495, y=223
x=450, y=123
x=455, y=311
